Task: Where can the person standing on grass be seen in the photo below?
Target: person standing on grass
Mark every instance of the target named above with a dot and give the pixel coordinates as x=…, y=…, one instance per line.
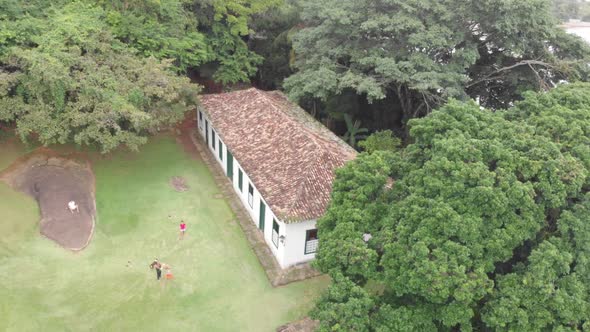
x=182, y=229
x=158, y=266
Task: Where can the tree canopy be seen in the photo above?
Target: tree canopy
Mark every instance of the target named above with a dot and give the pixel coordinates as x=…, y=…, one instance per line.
x=424, y=52
x=164, y=30
x=66, y=78
x=273, y=30
x=380, y=141
x=108, y=73
x=485, y=227
x=192, y=32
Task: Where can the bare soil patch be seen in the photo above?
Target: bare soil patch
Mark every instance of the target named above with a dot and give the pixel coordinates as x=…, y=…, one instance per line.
x=54, y=180
x=303, y=325
x=179, y=183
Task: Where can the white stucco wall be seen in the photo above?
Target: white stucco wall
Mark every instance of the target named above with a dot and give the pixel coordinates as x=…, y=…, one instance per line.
x=295, y=243
x=254, y=210
x=292, y=251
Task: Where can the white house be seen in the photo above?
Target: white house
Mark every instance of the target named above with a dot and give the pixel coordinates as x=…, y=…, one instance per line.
x=281, y=162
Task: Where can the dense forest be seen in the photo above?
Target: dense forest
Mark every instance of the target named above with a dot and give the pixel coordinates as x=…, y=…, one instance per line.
x=486, y=226
x=108, y=73
x=468, y=208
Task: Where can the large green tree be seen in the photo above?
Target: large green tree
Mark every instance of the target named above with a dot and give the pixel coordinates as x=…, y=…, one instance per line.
x=561, y=116
x=273, y=30
x=191, y=32
x=422, y=52
x=486, y=226
x=165, y=30
x=551, y=291
x=228, y=26
x=66, y=78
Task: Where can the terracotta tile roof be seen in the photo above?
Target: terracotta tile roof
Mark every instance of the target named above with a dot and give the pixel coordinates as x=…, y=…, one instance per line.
x=289, y=156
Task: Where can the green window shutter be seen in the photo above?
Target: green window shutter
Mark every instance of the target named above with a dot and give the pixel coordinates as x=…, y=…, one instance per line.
x=240, y=180
x=230, y=164
x=220, y=150
x=262, y=216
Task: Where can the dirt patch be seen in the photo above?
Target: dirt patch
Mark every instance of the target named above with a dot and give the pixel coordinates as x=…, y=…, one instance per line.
x=54, y=180
x=304, y=325
x=179, y=183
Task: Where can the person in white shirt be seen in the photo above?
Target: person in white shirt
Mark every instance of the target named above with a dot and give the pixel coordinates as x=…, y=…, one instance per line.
x=73, y=207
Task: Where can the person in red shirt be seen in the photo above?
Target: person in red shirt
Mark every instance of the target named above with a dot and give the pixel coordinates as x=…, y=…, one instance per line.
x=182, y=229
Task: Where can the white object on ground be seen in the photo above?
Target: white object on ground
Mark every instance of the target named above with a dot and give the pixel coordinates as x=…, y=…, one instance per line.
x=72, y=206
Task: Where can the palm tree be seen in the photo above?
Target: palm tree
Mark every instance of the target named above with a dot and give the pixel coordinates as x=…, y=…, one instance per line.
x=354, y=132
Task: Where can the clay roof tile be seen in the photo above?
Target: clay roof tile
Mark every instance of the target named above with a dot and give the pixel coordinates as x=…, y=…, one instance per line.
x=289, y=156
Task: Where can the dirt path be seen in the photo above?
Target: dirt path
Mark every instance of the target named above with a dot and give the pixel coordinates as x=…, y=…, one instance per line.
x=185, y=129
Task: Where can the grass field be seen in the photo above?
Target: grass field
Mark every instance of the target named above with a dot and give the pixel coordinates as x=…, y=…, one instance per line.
x=219, y=284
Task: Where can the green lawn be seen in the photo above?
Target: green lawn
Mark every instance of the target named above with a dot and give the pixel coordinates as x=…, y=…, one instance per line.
x=219, y=283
